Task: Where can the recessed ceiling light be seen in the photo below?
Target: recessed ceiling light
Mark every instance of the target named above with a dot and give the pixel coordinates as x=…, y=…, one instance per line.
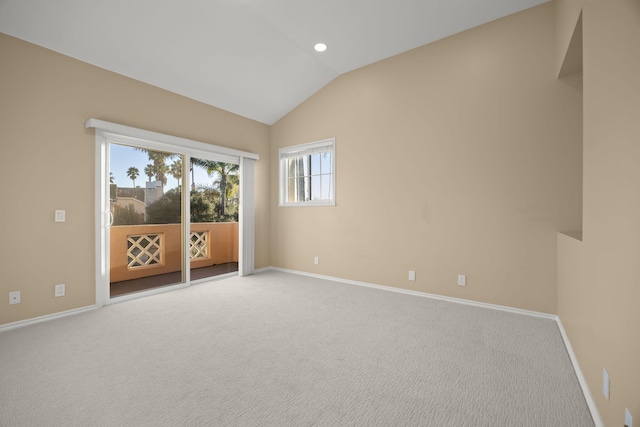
x=320, y=47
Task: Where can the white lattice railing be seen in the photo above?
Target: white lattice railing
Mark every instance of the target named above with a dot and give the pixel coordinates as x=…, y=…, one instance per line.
x=144, y=250
x=198, y=244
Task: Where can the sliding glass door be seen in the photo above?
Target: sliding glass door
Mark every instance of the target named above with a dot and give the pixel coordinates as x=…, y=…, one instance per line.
x=147, y=207
x=214, y=209
x=146, y=235
x=169, y=211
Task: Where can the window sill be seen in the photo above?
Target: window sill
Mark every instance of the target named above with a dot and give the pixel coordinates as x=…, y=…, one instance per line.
x=307, y=204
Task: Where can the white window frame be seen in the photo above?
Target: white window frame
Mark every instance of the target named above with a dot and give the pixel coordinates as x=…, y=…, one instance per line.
x=285, y=153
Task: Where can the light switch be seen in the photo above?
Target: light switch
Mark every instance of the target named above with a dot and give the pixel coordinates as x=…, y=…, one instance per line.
x=61, y=216
x=59, y=290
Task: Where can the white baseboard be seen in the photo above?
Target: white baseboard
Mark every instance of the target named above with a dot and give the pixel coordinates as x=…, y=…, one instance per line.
x=574, y=361
x=581, y=378
x=45, y=318
x=419, y=294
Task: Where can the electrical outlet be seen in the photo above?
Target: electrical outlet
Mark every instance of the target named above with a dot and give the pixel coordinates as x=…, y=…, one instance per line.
x=14, y=297
x=605, y=383
x=462, y=280
x=628, y=420
x=316, y=260
x=412, y=276
x=59, y=290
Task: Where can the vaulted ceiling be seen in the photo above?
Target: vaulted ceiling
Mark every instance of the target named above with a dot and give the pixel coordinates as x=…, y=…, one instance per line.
x=254, y=58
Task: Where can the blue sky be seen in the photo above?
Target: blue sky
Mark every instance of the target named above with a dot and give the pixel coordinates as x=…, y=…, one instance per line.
x=123, y=157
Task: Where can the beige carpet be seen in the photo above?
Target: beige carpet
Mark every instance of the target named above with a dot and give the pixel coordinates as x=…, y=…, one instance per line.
x=276, y=349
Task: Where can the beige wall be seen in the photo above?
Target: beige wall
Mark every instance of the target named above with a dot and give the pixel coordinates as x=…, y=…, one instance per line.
x=45, y=99
x=459, y=157
x=567, y=14
x=598, y=288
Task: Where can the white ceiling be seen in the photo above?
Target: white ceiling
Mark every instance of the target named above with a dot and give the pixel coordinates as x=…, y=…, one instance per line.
x=254, y=58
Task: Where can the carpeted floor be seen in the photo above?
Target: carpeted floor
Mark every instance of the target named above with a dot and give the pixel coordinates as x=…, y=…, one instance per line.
x=276, y=349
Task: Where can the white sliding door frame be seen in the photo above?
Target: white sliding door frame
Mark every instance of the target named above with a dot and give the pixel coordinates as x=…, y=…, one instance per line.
x=247, y=212
x=107, y=133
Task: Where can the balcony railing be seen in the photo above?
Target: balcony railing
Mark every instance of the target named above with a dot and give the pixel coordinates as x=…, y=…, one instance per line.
x=139, y=251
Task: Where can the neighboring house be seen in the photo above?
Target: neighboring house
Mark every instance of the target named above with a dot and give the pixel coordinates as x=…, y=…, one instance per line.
x=123, y=202
x=135, y=193
x=153, y=191
x=137, y=197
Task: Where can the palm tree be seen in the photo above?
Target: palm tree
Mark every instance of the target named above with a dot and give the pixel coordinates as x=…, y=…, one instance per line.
x=148, y=170
x=160, y=167
x=133, y=173
x=228, y=178
x=176, y=170
x=228, y=189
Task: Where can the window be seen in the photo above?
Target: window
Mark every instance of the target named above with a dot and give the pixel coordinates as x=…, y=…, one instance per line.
x=307, y=174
